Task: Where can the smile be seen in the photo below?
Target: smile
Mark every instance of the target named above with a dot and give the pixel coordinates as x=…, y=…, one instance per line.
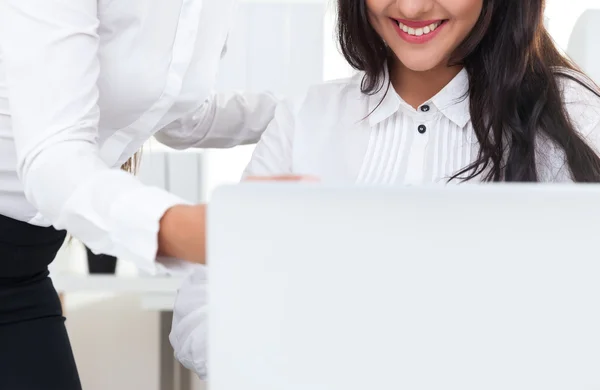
x=418, y=31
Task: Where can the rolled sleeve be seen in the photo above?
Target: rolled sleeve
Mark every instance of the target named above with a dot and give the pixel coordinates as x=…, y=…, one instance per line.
x=222, y=121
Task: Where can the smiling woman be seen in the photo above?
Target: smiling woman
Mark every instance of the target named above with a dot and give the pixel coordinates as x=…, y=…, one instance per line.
x=561, y=18
x=484, y=97
x=516, y=77
x=456, y=18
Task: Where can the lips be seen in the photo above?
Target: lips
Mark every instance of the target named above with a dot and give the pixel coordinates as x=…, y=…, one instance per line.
x=418, y=32
x=419, y=23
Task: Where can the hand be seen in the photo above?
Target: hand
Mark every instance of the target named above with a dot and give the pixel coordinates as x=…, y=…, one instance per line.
x=283, y=178
x=182, y=233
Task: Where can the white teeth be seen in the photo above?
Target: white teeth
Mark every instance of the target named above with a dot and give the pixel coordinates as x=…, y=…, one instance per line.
x=419, y=31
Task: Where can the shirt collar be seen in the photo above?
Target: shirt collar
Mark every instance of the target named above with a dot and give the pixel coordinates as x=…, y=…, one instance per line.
x=452, y=101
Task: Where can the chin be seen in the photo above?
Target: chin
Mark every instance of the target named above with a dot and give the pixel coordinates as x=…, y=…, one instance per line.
x=420, y=64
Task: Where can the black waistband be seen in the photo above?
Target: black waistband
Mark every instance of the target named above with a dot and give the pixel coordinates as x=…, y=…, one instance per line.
x=25, y=249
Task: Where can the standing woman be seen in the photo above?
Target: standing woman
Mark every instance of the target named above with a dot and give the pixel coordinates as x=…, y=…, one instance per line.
x=83, y=85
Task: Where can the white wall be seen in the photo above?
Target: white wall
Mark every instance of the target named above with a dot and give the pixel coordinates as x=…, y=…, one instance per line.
x=276, y=46
x=563, y=15
x=115, y=344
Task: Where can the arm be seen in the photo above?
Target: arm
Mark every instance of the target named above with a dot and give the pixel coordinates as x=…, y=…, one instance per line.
x=223, y=121
x=274, y=153
x=49, y=50
x=271, y=160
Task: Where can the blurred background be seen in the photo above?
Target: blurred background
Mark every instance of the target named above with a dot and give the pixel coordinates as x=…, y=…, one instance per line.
x=119, y=319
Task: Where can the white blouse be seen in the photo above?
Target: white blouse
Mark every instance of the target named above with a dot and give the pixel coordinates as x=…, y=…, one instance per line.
x=84, y=84
x=328, y=133
x=338, y=134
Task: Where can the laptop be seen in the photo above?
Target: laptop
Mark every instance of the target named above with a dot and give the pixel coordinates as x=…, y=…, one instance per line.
x=316, y=287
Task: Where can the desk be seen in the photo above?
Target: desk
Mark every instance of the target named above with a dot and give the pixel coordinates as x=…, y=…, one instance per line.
x=156, y=294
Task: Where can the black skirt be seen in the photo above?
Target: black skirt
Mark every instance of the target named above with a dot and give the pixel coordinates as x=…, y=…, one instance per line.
x=35, y=352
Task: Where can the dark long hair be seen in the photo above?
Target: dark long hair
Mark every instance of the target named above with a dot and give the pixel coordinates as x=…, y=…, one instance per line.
x=515, y=95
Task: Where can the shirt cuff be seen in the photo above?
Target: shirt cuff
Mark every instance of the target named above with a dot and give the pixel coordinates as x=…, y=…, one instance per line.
x=136, y=217
x=190, y=322
x=173, y=266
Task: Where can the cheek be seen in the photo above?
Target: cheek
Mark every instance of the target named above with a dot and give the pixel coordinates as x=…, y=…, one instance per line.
x=376, y=7
x=465, y=14
x=466, y=11
x=375, y=12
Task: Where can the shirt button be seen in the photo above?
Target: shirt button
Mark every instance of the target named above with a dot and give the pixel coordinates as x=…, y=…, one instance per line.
x=425, y=108
x=422, y=129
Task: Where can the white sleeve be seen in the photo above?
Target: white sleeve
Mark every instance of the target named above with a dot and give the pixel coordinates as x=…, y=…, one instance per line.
x=583, y=107
x=223, y=121
x=591, y=134
x=49, y=50
x=189, y=330
x=274, y=153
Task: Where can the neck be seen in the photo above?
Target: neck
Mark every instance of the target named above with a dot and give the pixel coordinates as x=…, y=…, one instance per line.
x=415, y=88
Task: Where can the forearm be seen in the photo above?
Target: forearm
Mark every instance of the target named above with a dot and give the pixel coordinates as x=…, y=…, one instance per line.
x=110, y=211
x=223, y=121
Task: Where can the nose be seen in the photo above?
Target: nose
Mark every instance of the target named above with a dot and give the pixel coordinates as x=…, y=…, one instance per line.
x=414, y=9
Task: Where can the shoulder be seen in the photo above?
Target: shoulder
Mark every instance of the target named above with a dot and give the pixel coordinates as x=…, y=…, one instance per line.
x=581, y=98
